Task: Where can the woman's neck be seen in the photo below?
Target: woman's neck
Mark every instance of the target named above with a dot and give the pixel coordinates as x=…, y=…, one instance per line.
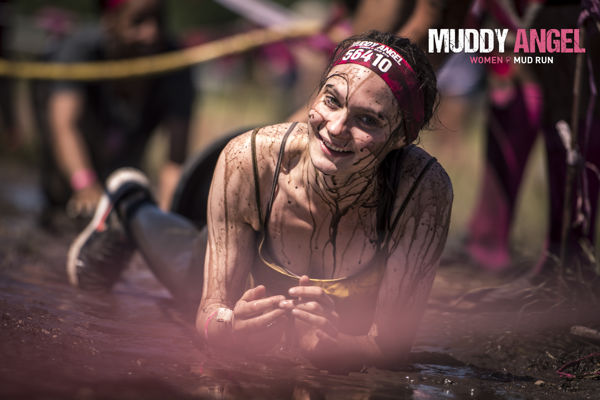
x=342, y=191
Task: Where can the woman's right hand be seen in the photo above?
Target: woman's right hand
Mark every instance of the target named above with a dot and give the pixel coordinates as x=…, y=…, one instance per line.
x=258, y=321
x=83, y=202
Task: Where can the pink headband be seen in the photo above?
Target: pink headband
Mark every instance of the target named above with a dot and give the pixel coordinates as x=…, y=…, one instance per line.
x=395, y=72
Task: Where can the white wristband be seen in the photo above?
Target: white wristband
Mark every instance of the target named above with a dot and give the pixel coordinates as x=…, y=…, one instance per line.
x=225, y=315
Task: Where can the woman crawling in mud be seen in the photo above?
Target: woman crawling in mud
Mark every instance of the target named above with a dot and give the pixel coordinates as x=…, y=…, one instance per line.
x=322, y=236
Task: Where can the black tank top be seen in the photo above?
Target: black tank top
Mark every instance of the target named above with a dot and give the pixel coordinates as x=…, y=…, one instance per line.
x=355, y=294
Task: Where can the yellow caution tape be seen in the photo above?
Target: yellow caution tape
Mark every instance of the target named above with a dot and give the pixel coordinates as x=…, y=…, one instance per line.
x=155, y=64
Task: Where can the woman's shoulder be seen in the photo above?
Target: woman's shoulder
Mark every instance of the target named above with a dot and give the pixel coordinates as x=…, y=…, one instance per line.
x=249, y=161
x=262, y=145
x=421, y=170
x=252, y=156
x=269, y=137
x=423, y=192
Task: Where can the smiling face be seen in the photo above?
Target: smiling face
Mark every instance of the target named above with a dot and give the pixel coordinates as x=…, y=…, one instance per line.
x=351, y=122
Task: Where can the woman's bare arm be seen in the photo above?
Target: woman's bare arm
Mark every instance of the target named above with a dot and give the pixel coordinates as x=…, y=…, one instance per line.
x=231, y=251
x=416, y=247
x=70, y=150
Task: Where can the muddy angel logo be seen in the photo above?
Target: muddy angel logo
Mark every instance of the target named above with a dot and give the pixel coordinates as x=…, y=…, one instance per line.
x=496, y=46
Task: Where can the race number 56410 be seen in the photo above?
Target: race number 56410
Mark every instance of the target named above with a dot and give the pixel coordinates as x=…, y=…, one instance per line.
x=381, y=62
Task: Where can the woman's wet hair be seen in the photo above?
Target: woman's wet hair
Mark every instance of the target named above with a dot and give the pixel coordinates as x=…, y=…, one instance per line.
x=415, y=57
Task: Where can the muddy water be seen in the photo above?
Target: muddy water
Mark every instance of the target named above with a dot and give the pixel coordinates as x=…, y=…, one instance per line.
x=134, y=343
x=59, y=341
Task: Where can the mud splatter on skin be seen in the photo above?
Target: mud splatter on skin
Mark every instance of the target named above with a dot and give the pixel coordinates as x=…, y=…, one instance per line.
x=319, y=226
x=232, y=219
x=394, y=121
x=324, y=219
x=225, y=202
x=357, y=189
x=432, y=215
x=410, y=251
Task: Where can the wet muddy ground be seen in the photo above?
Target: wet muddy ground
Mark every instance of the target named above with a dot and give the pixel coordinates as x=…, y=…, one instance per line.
x=133, y=343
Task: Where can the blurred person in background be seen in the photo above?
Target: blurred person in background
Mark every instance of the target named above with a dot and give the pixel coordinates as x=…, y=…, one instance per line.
x=523, y=101
x=91, y=128
x=514, y=105
x=568, y=264
x=557, y=81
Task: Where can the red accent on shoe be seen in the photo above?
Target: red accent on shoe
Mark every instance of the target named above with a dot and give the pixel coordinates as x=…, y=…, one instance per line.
x=102, y=224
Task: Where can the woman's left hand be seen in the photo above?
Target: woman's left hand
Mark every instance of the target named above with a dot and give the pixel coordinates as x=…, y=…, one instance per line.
x=314, y=313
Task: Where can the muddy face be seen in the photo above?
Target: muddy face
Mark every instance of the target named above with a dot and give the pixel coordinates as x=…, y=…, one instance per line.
x=351, y=122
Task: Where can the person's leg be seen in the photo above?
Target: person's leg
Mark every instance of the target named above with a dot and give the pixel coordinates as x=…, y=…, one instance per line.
x=556, y=81
x=127, y=218
x=172, y=247
x=511, y=132
x=557, y=172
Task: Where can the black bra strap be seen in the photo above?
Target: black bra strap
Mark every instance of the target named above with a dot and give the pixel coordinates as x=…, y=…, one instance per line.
x=275, y=178
x=276, y=175
x=255, y=171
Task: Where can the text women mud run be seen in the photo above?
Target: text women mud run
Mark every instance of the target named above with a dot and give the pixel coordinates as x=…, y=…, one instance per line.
x=515, y=60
